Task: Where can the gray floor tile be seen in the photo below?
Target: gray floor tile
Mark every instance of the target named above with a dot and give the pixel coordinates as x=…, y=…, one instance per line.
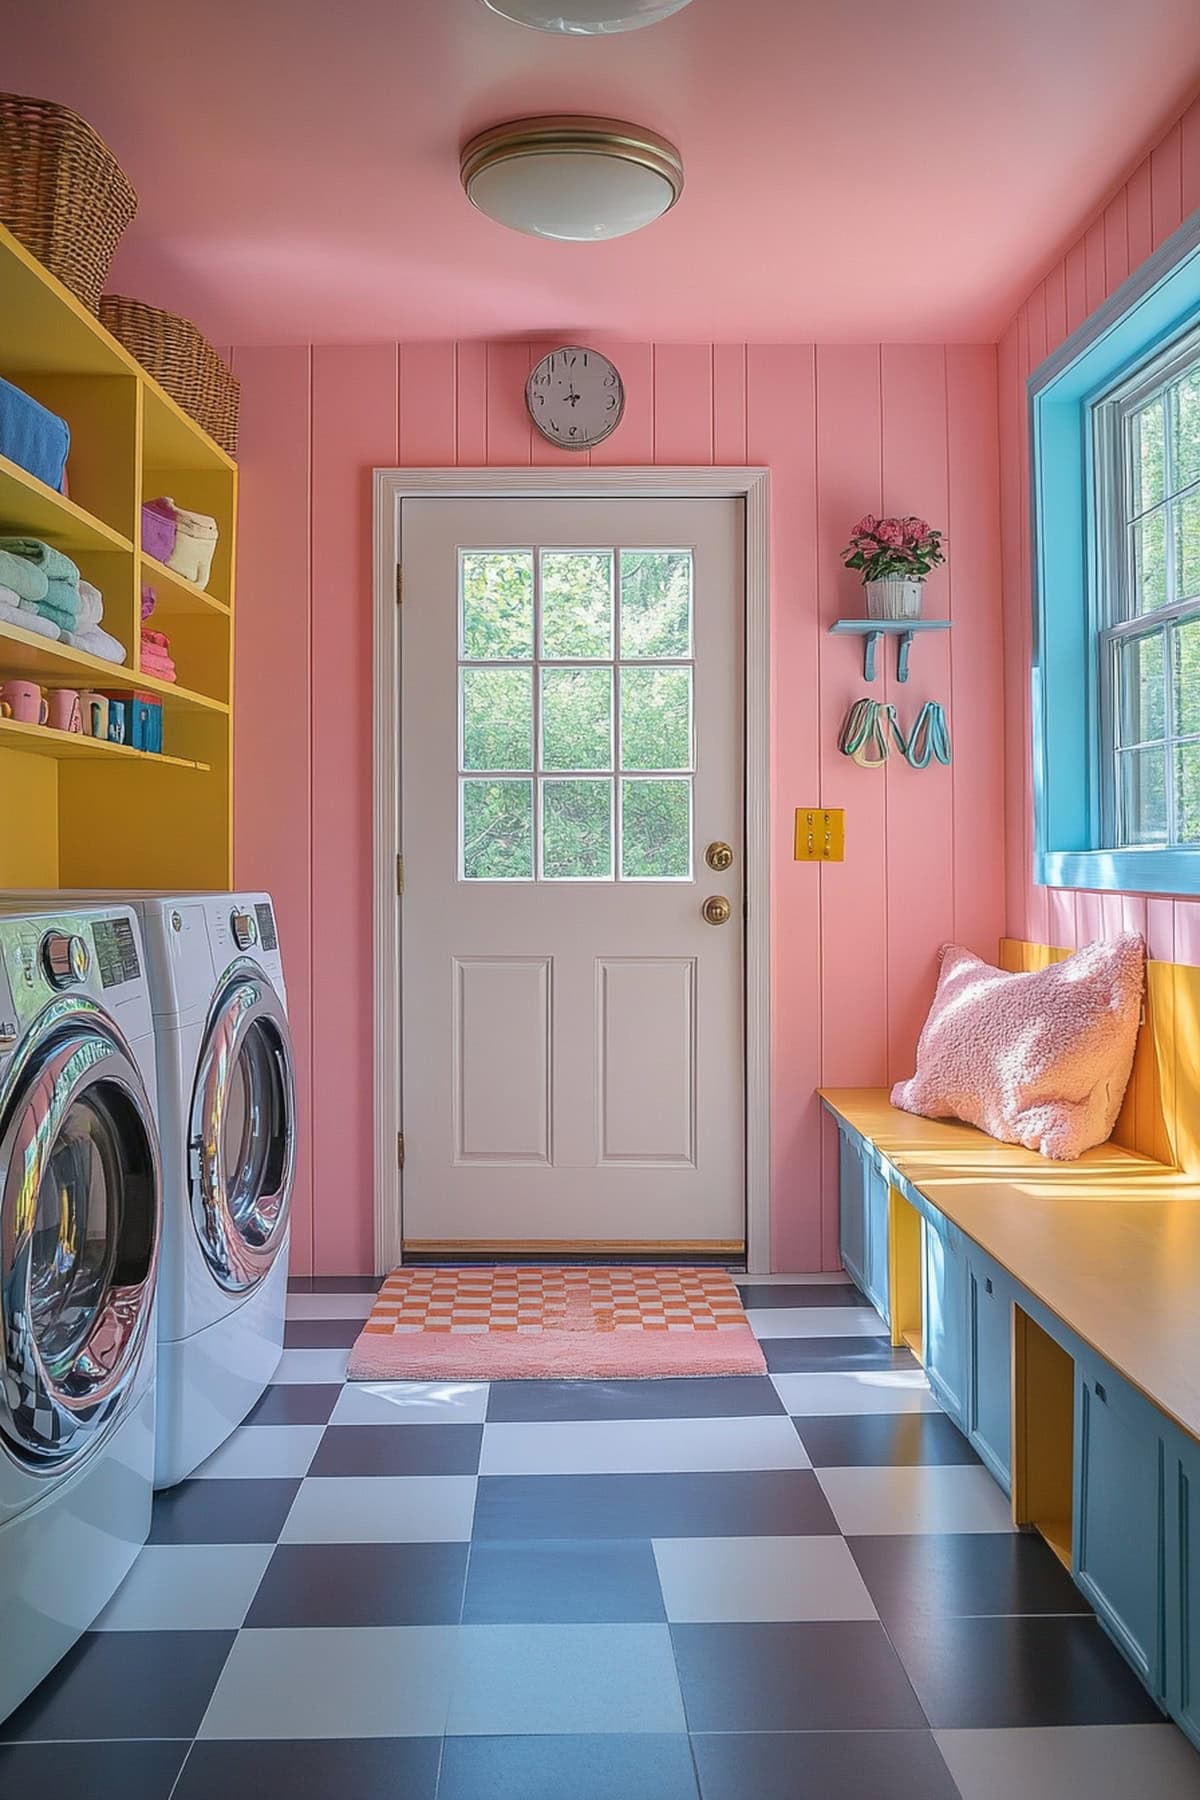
x=262, y=1451
x=321, y=1334
x=532, y=1679
x=837, y=1676
x=703, y=1397
x=124, y=1684
x=112, y=1771
x=640, y=1446
x=245, y=1511
x=313, y=1769
x=376, y=1681
x=915, y=1498
x=361, y=1584
x=1091, y=1762
x=293, y=1403
x=382, y=1450
x=408, y=1402
x=814, y=1322
x=962, y=1575
x=381, y=1509
x=602, y=1581
x=311, y=1368
x=868, y=1391
x=768, y=1503
x=715, y=1580
x=187, y=1587
x=606, y=1767
x=819, y=1355
x=828, y=1765
x=330, y=1304
x=876, y=1440
x=757, y=1293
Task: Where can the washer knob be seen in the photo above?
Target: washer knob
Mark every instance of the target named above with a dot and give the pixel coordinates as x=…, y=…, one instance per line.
x=65, y=958
x=245, y=930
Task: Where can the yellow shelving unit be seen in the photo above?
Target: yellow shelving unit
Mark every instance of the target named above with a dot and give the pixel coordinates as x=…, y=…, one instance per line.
x=75, y=812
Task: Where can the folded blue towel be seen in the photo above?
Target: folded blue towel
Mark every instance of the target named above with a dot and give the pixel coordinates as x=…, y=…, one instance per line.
x=22, y=576
x=32, y=436
x=53, y=564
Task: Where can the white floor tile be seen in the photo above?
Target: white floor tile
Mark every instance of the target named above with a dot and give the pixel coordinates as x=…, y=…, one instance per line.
x=1081, y=1762
x=316, y=1366
x=411, y=1403
x=330, y=1306
x=382, y=1681
x=641, y=1446
x=263, y=1450
x=883, y=1501
x=859, y=1391
x=837, y=1279
x=816, y=1321
x=755, y=1580
x=187, y=1587
x=540, y=1679
x=381, y=1509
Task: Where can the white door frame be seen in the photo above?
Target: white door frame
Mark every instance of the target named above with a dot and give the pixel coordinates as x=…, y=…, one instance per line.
x=395, y=485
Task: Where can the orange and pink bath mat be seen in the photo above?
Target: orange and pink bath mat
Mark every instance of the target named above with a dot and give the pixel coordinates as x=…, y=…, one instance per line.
x=574, y=1323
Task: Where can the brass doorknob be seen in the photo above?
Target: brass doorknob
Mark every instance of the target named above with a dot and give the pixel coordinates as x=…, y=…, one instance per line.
x=716, y=910
x=719, y=856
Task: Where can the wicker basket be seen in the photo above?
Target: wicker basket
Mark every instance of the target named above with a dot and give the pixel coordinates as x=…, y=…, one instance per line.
x=181, y=360
x=62, y=192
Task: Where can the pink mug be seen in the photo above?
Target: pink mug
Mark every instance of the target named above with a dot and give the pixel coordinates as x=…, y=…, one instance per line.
x=27, y=701
x=64, y=709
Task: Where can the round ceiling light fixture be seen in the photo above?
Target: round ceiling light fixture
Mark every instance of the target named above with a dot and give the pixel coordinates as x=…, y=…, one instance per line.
x=585, y=18
x=575, y=180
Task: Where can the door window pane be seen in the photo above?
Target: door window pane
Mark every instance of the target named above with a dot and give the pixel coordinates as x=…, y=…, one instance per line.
x=497, y=718
x=497, y=830
x=1147, y=439
x=1140, y=678
x=577, y=718
x=656, y=830
x=656, y=718
x=577, y=830
x=497, y=604
x=656, y=603
x=1143, y=795
x=577, y=603
x=1150, y=562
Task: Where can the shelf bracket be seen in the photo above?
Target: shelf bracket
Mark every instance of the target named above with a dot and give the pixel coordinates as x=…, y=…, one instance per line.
x=870, y=644
x=903, y=646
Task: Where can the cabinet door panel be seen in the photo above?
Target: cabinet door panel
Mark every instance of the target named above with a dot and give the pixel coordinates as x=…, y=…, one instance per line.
x=1182, y=1571
x=1119, y=1513
x=943, y=1324
x=876, y=1271
x=989, y=1368
x=852, y=1200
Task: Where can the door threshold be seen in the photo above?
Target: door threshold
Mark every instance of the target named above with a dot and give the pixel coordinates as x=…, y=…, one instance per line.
x=704, y=1253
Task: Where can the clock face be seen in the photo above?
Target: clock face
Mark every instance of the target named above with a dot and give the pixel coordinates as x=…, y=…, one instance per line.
x=575, y=397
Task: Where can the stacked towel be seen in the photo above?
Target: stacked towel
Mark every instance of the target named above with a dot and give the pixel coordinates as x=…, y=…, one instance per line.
x=46, y=580
x=86, y=632
x=21, y=577
x=13, y=613
x=156, y=654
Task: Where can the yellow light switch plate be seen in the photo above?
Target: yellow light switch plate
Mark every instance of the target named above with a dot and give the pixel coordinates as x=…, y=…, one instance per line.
x=820, y=834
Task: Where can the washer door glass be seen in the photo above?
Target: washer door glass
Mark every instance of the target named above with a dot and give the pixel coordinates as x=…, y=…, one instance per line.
x=79, y=1220
x=243, y=1131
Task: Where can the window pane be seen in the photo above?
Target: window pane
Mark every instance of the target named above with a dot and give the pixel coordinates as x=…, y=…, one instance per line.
x=656, y=603
x=497, y=604
x=1142, y=789
x=577, y=718
x=1150, y=562
x=1187, y=431
x=1187, y=547
x=497, y=830
x=577, y=602
x=577, y=830
x=1187, y=793
x=497, y=718
x=656, y=718
x=1146, y=456
x=1186, y=637
x=656, y=830
x=1140, y=686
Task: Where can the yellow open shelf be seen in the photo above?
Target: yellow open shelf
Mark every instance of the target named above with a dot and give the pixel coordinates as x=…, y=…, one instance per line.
x=70, y=746
x=175, y=593
x=28, y=508
x=34, y=658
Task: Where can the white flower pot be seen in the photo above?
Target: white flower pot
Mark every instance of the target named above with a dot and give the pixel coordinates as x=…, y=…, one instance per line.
x=893, y=597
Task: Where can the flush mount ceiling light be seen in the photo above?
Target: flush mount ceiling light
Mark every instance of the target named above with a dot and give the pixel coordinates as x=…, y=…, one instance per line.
x=585, y=18
x=576, y=180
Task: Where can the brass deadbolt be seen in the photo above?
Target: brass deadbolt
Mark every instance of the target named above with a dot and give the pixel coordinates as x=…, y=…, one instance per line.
x=716, y=910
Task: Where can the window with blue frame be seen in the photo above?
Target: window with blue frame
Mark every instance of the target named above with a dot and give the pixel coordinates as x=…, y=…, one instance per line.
x=1115, y=418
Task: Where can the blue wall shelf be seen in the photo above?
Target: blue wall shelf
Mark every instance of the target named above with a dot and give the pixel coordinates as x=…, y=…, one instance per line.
x=874, y=629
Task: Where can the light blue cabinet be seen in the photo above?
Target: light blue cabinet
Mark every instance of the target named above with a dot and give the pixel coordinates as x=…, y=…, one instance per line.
x=1119, y=1513
x=944, y=1311
x=875, y=1188
x=852, y=1201
x=987, y=1405
x=1182, y=1583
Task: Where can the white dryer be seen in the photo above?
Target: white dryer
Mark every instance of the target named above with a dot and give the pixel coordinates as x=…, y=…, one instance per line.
x=227, y=1120
x=80, y=1215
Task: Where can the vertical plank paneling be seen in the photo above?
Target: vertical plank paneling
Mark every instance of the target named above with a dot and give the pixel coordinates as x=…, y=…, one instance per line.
x=729, y=404
x=1166, y=186
x=1056, y=305
x=1189, y=151
x=1075, y=278
x=632, y=443
x=920, y=803
x=976, y=645
x=1089, y=919
x=427, y=413
x=272, y=793
x=1140, y=216
x=1160, y=929
x=1113, y=267
x=780, y=396
x=1096, y=255
x=683, y=403
x=509, y=431
x=471, y=404
x=353, y=431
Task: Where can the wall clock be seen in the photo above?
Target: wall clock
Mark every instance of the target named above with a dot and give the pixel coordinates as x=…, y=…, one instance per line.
x=575, y=397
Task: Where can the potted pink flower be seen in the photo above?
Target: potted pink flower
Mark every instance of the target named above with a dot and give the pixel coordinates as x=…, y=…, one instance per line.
x=894, y=556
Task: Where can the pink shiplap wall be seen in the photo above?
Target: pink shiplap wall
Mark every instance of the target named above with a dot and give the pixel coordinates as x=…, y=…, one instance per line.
x=844, y=431
x=1158, y=196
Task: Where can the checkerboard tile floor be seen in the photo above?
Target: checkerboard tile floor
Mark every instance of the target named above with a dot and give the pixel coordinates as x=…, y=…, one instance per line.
x=799, y=1585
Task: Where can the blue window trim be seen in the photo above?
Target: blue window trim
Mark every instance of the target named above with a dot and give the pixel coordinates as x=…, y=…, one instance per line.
x=1157, y=303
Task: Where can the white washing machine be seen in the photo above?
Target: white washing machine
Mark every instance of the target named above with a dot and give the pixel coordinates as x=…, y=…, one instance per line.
x=80, y=1216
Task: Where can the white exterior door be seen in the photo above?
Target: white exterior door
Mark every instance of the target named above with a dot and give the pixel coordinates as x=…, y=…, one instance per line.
x=572, y=748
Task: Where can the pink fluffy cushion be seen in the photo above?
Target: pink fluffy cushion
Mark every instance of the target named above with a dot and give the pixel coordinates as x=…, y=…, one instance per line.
x=1041, y=1059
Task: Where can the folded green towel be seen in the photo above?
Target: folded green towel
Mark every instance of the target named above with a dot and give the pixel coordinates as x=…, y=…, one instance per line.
x=24, y=578
x=60, y=597
x=53, y=564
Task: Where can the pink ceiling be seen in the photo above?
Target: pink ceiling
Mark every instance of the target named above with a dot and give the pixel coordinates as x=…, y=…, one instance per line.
x=856, y=169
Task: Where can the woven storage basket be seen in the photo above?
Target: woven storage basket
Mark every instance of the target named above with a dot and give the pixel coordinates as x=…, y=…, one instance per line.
x=62, y=192
x=181, y=360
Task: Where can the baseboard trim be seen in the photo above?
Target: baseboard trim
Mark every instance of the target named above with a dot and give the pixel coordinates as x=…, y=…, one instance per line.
x=560, y=1247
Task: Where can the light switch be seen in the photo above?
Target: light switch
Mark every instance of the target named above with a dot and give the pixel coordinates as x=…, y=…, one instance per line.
x=820, y=834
